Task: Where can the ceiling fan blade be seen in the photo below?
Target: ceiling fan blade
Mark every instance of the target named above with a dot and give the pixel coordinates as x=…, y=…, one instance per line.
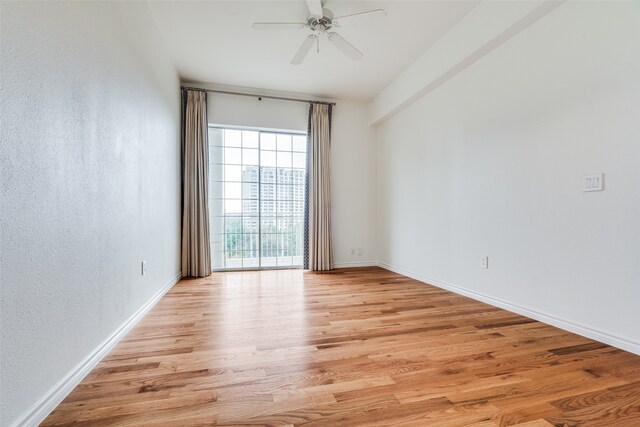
x=304, y=48
x=346, y=47
x=278, y=25
x=315, y=7
x=340, y=19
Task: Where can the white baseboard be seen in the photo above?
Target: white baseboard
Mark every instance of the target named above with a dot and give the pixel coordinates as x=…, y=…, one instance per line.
x=47, y=403
x=355, y=264
x=619, y=342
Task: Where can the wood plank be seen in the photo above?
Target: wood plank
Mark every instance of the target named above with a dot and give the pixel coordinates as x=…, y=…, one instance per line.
x=352, y=347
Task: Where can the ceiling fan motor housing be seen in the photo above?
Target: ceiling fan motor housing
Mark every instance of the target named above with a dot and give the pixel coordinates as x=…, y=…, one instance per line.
x=321, y=24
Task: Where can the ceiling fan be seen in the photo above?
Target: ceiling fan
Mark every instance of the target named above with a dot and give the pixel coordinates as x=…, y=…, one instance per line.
x=320, y=23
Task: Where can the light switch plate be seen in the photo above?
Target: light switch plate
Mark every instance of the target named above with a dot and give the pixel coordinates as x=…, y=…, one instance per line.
x=593, y=182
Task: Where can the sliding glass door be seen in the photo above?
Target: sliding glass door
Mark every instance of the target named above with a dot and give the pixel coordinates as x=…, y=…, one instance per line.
x=256, y=198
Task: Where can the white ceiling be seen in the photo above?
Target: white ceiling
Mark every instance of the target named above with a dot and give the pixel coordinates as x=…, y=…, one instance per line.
x=213, y=42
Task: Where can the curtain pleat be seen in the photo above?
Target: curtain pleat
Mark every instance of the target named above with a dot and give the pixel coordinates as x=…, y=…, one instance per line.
x=319, y=253
x=196, y=249
x=305, y=255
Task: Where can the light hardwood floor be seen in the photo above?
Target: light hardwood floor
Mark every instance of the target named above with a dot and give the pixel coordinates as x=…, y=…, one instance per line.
x=363, y=347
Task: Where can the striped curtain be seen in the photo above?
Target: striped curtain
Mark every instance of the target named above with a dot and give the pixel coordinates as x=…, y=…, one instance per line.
x=196, y=250
x=318, y=254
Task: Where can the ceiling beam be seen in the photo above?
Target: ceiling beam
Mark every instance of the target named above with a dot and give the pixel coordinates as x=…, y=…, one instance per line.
x=488, y=26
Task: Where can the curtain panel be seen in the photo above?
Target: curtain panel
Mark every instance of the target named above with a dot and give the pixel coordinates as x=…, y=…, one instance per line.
x=318, y=250
x=196, y=249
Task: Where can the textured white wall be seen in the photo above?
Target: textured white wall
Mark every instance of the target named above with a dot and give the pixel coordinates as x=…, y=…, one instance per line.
x=89, y=181
x=491, y=164
x=352, y=162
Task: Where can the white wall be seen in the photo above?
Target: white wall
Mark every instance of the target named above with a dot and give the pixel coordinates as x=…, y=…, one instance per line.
x=352, y=162
x=353, y=185
x=491, y=164
x=89, y=182
x=244, y=111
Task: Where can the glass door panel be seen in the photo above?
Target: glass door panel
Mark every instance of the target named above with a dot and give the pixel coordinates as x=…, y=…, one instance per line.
x=256, y=198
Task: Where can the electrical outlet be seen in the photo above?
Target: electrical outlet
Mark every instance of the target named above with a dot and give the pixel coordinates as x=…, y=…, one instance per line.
x=484, y=262
x=353, y=251
x=143, y=267
x=360, y=251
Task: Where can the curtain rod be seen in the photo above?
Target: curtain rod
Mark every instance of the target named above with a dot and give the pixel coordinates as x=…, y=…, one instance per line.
x=255, y=95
